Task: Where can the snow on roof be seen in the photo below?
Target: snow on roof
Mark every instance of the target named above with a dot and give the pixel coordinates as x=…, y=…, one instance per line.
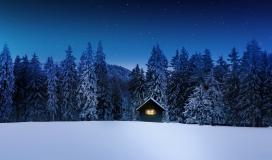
x=150, y=99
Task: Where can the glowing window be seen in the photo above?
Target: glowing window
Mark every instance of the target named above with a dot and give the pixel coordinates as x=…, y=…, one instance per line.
x=150, y=112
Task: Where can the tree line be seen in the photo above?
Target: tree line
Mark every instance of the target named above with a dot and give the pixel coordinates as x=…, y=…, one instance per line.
x=31, y=91
x=236, y=92
x=192, y=88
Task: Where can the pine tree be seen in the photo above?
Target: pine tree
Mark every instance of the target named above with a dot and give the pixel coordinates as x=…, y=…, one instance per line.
x=17, y=95
x=117, y=108
x=6, y=86
x=36, y=100
x=205, y=105
x=173, y=88
x=250, y=98
x=195, y=63
x=268, y=88
x=219, y=109
x=69, y=87
x=87, y=87
x=59, y=91
x=136, y=89
x=198, y=109
x=179, y=86
x=21, y=74
x=231, y=88
x=207, y=63
x=52, y=105
x=265, y=82
x=220, y=70
x=156, y=77
x=104, y=108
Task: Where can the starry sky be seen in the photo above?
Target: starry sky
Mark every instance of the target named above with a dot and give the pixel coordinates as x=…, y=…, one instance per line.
x=128, y=28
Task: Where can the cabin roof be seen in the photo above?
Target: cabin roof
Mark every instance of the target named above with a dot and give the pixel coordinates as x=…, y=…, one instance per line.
x=150, y=99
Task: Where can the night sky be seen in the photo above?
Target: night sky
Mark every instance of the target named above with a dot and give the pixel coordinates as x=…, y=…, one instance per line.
x=129, y=29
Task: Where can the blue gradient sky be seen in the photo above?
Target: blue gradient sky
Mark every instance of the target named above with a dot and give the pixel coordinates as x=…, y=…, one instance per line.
x=129, y=29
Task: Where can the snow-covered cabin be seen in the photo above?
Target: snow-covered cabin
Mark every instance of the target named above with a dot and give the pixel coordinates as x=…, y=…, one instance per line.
x=151, y=111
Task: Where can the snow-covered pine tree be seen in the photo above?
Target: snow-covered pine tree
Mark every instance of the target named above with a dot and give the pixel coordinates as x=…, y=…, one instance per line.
x=52, y=100
x=104, y=108
x=117, y=109
x=6, y=86
x=231, y=88
x=179, y=86
x=219, y=109
x=250, y=99
x=205, y=105
x=127, y=107
x=36, y=100
x=87, y=86
x=136, y=89
x=156, y=78
x=59, y=91
x=173, y=88
x=69, y=87
x=198, y=110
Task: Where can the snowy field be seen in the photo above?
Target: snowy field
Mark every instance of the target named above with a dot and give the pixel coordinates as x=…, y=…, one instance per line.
x=132, y=141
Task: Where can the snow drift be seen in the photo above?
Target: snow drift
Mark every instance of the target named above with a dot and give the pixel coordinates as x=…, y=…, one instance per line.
x=131, y=141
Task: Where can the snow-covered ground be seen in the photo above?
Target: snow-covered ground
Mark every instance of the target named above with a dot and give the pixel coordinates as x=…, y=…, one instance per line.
x=132, y=141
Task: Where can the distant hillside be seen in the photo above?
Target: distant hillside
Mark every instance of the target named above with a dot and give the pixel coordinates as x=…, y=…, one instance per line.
x=118, y=72
x=122, y=74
